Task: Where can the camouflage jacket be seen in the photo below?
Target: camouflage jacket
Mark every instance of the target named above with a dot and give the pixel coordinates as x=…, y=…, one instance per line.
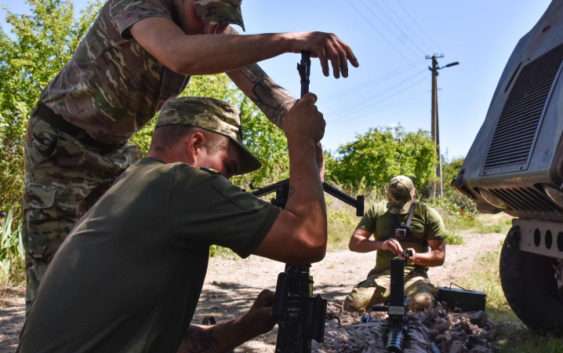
x=111, y=87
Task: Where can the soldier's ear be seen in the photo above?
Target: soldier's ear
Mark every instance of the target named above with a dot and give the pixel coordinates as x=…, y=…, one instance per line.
x=198, y=139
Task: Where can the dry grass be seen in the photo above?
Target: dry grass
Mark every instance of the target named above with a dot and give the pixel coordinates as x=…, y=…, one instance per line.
x=513, y=336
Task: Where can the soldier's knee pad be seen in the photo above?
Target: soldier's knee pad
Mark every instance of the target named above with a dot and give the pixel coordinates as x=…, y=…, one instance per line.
x=421, y=301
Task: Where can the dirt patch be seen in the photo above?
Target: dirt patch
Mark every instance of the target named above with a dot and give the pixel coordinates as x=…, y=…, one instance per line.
x=12, y=311
x=232, y=284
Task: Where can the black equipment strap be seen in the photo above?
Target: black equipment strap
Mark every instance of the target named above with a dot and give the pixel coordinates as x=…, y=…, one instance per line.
x=408, y=223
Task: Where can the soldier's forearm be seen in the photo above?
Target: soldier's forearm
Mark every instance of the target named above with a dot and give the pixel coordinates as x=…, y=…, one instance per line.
x=431, y=258
x=270, y=97
x=218, y=338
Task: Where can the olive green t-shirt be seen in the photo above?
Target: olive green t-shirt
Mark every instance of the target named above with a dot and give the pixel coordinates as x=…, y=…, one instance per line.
x=128, y=277
x=426, y=225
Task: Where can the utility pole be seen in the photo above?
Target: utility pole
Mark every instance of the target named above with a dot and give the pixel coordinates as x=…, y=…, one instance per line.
x=437, y=187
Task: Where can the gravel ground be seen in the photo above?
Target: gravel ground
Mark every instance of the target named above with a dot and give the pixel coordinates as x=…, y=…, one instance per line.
x=232, y=284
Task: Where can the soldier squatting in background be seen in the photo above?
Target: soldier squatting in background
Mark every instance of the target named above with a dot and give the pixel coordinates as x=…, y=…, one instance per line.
x=137, y=55
x=393, y=233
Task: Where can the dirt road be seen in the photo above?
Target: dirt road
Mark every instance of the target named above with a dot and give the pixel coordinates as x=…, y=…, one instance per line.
x=232, y=284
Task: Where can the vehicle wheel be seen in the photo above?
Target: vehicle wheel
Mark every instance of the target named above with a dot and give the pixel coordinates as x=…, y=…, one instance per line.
x=530, y=287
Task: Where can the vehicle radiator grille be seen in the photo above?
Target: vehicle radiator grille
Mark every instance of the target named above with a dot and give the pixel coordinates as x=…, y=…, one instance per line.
x=526, y=199
x=518, y=124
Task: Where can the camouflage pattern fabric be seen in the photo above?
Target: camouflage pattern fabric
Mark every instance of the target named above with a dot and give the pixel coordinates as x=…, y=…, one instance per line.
x=220, y=11
x=212, y=115
x=375, y=289
x=112, y=86
x=64, y=178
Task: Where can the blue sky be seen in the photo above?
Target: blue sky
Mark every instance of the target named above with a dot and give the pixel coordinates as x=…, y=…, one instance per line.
x=391, y=39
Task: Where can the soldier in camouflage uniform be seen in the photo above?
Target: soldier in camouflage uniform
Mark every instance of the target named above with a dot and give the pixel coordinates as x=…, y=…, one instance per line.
x=128, y=276
x=136, y=55
x=424, y=238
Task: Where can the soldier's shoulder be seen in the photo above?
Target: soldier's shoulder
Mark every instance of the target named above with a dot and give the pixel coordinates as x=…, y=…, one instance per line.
x=430, y=212
x=377, y=209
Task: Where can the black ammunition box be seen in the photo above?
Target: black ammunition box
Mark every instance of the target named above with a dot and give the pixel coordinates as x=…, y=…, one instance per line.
x=462, y=299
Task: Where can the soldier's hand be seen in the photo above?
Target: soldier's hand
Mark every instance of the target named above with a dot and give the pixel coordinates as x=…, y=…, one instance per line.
x=259, y=319
x=393, y=246
x=304, y=121
x=411, y=255
x=328, y=48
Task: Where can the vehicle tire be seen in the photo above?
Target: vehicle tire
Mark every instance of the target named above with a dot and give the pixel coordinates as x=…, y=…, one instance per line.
x=530, y=287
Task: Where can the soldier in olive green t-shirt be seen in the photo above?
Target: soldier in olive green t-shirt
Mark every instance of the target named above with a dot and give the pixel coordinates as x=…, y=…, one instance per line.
x=423, y=236
x=128, y=277
x=136, y=55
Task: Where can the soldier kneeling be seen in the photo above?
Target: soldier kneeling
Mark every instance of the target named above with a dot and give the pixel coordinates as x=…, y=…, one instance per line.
x=403, y=224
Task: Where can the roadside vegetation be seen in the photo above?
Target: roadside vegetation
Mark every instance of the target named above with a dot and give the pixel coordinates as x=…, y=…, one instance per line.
x=512, y=335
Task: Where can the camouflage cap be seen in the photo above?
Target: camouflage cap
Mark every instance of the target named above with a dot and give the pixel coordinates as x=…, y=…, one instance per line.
x=212, y=115
x=220, y=11
x=400, y=194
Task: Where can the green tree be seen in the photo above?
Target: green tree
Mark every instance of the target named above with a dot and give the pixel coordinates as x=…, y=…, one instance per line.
x=265, y=141
x=38, y=46
x=457, y=201
x=367, y=163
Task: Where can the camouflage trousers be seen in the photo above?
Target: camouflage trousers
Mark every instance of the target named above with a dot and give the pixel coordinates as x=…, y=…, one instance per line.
x=375, y=289
x=64, y=177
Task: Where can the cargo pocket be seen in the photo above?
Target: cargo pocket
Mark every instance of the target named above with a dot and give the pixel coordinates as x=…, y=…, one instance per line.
x=42, y=142
x=42, y=231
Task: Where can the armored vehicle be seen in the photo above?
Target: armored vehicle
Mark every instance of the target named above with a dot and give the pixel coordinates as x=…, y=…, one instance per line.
x=515, y=165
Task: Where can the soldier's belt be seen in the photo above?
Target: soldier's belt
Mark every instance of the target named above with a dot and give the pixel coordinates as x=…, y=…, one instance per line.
x=57, y=122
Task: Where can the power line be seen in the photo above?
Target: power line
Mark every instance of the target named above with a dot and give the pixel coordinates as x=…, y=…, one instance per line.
x=380, y=97
x=386, y=100
x=383, y=103
x=381, y=34
x=372, y=82
x=415, y=22
x=384, y=91
x=391, y=20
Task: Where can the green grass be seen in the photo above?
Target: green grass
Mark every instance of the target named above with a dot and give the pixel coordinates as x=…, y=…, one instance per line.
x=342, y=221
x=512, y=335
x=11, y=253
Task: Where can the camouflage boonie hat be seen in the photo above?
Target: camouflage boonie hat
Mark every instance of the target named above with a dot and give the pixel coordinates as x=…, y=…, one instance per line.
x=212, y=115
x=400, y=194
x=220, y=11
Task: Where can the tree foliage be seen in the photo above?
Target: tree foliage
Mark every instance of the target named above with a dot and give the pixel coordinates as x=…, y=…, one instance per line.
x=37, y=47
x=367, y=163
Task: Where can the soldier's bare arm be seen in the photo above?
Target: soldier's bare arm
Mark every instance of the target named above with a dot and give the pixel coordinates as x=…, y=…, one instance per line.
x=361, y=242
x=213, y=53
x=298, y=236
x=435, y=257
x=270, y=97
x=225, y=336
